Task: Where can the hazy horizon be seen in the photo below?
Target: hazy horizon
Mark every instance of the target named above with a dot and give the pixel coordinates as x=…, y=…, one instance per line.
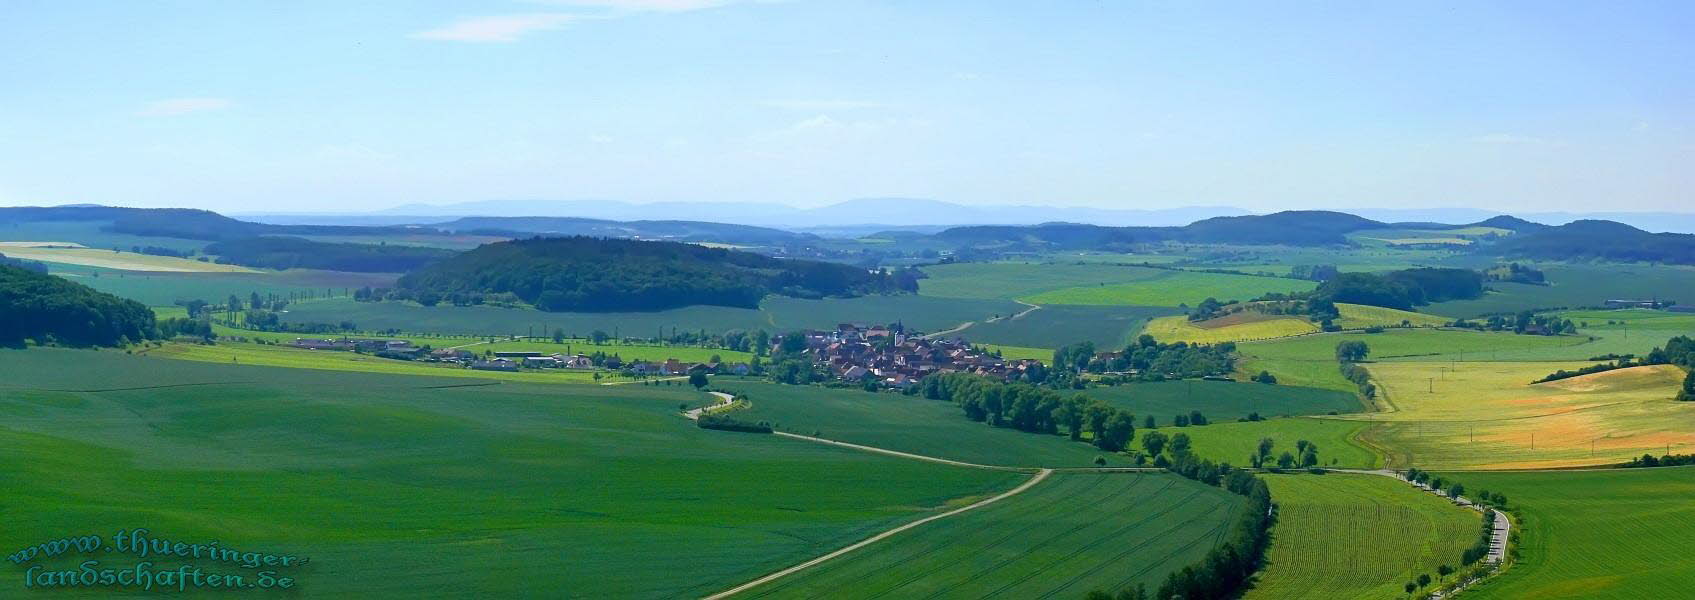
x=1512, y=107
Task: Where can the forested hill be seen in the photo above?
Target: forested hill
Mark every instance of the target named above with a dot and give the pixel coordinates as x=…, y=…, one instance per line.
x=1598, y=240
x=293, y=253
x=597, y=274
x=1293, y=228
x=182, y=223
x=45, y=308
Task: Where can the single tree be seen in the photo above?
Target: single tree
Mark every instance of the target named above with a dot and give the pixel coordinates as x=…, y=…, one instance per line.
x=1411, y=585
x=1148, y=423
x=1180, y=444
x=1444, y=571
x=1423, y=580
x=1153, y=442
x=697, y=379
x=1286, y=460
x=1352, y=351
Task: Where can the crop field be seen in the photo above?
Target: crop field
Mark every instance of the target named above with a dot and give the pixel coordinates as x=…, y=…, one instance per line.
x=1062, y=538
x=775, y=314
x=1489, y=415
x=1357, y=536
x=1020, y=352
x=297, y=358
x=164, y=289
x=1596, y=534
x=1222, y=400
x=1578, y=285
x=1234, y=441
x=1311, y=360
x=1360, y=316
x=1007, y=280
x=1180, y=329
x=125, y=260
x=1056, y=325
x=904, y=423
x=486, y=485
x=1173, y=288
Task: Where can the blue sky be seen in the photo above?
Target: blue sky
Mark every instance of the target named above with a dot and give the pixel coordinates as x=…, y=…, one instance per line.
x=347, y=106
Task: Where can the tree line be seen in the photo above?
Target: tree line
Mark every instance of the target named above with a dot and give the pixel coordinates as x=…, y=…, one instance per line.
x=300, y=253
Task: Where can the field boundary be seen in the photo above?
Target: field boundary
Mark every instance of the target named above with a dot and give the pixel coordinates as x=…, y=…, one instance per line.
x=1037, y=478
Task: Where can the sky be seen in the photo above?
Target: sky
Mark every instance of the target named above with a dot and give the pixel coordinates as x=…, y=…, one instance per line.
x=338, y=106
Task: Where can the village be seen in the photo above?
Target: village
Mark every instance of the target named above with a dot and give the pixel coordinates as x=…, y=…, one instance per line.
x=880, y=356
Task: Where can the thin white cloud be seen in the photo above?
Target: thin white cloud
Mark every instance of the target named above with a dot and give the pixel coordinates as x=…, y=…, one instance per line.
x=182, y=106
x=819, y=105
x=498, y=28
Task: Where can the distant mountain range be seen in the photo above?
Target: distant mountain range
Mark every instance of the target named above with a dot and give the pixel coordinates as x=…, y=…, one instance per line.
x=869, y=215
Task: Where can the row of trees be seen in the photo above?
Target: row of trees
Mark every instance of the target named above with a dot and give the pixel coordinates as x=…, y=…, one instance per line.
x=1032, y=409
x=1152, y=360
x=1524, y=322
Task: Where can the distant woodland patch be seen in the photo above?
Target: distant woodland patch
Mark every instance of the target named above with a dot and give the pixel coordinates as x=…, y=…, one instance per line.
x=596, y=274
x=48, y=309
x=300, y=253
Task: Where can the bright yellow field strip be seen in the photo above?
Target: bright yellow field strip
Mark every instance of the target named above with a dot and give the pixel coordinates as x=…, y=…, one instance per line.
x=4, y=245
x=1359, y=316
x=1178, y=329
x=127, y=261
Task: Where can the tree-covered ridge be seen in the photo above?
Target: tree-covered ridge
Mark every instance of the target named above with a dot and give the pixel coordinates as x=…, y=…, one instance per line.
x=595, y=274
x=300, y=253
x=23, y=264
x=1294, y=228
x=1598, y=240
x=48, y=309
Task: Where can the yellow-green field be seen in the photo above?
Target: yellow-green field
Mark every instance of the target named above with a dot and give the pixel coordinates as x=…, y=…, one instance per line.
x=1019, y=352
x=624, y=351
x=1172, y=288
x=1357, y=536
x=283, y=356
x=128, y=261
x=1429, y=240
x=1360, y=316
x=1180, y=329
x=1489, y=415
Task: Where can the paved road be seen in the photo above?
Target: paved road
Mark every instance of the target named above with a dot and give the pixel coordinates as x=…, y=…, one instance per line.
x=1040, y=475
x=724, y=400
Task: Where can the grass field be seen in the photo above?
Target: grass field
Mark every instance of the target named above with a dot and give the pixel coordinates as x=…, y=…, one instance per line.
x=1357, y=536
x=1173, y=288
x=1222, y=400
x=1019, y=352
x=1360, y=316
x=905, y=423
x=1057, y=325
x=1489, y=415
x=1180, y=329
x=419, y=487
x=126, y=261
x=1234, y=441
x=1062, y=538
x=775, y=314
x=1597, y=534
x=1007, y=281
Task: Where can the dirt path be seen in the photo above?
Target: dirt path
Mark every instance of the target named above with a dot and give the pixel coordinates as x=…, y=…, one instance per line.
x=724, y=400
x=898, y=453
x=948, y=332
x=1040, y=475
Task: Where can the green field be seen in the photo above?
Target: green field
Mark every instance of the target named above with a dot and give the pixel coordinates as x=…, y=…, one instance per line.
x=1056, y=325
x=416, y=486
x=1179, y=328
x=1065, y=536
x=1222, y=400
x=1357, y=536
x=239, y=353
x=165, y=289
x=1173, y=288
x=1596, y=534
x=904, y=423
x=775, y=314
x=1311, y=360
x=624, y=351
x=1578, y=285
x=1008, y=281
x=1234, y=441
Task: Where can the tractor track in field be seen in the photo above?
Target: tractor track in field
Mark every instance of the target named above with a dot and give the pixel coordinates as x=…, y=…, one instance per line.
x=1029, y=483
